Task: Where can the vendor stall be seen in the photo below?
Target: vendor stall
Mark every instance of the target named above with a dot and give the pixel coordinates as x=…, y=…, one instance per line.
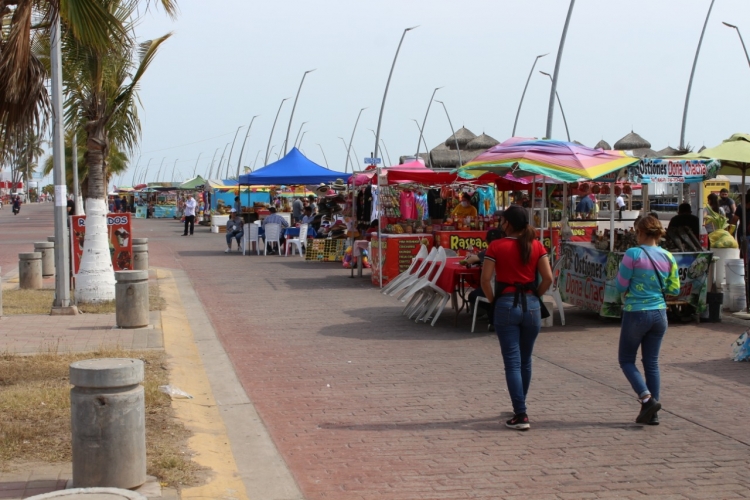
x=392, y=254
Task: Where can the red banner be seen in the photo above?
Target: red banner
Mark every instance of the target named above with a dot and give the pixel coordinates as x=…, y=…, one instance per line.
x=462, y=242
x=120, y=240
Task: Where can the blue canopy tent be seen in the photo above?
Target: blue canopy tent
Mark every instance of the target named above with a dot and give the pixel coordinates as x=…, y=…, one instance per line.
x=292, y=169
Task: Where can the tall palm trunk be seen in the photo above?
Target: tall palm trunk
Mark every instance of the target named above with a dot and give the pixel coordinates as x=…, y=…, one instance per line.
x=95, y=281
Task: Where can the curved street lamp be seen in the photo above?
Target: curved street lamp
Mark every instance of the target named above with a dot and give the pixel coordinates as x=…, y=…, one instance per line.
x=523, y=94
x=423, y=141
x=145, y=170
x=239, y=160
x=265, y=162
x=424, y=122
x=460, y=163
x=298, y=133
x=256, y=159
x=347, y=153
x=232, y=149
x=351, y=139
x=158, y=173
x=384, y=147
x=741, y=40
x=211, y=167
x=291, y=117
x=299, y=144
x=175, y=166
x=553, y=90
x=324, y=156
x=385, y=94
x=196, y=163
x=567, y=132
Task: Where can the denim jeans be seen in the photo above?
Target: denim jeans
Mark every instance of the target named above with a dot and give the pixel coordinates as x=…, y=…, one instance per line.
x=517, y=332
x=644, y=329
x=236, y=235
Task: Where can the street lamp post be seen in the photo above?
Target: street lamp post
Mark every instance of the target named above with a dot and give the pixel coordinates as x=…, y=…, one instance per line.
x=291, y=117
x=352, y=138
x=196, y=163
x=211, y=166
x=384, y=147
x=692, y=74
x=741, y=40
x=559, y=103
x=158, y=173
x=423, y=141
x=523, y=94
x=324, y=156
x=347, y=155
x=298, y=133
x=460, y=163
x=232, y=149
x=256, y=159
x=553, y=90
x=239, y=161
x=424, y=122
x=174, y=167
x=268, y=150
x=382, y=105
x=299, y=144
x=221, y=160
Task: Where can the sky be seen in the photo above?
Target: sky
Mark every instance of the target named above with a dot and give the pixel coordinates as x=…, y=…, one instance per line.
x=625, y=66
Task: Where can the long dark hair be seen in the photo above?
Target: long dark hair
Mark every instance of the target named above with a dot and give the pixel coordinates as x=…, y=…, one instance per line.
x=713, y=202
x=518, y=219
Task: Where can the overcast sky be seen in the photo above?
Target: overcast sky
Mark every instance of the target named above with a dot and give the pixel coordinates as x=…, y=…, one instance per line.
x=625, y=66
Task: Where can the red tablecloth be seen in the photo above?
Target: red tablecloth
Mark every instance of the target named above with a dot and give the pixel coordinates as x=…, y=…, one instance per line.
x=451, y=275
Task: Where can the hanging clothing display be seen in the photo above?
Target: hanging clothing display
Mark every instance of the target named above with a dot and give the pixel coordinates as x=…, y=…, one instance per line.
x=408, y=205
x=435, y=204
x=423, y=210
x=485, y=196
x=374, y=207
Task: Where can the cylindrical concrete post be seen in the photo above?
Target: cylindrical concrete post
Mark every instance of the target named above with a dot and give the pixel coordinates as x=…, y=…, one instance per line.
x=30, y=271
x=108, y=422
x=131, y=299
x=47, y=250
x=51, y=239
x=140, y=241
x=140, y=257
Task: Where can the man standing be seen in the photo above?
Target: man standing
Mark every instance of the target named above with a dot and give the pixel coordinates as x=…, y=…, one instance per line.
x=237, y=205
x=190, y=205
x=620, y=204
x=234, y=230
x=726, y=201
x=297, y=208
x=71, y=206
x=313, y=205
x=685, y=217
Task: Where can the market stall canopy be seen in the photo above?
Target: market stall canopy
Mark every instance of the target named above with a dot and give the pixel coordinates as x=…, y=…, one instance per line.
x=413, y=171
x=193, y=183
x=294, y=168
x=675, y=170
x=163, y=186
x=222, y=183
x=734, y=154
x=559, y=160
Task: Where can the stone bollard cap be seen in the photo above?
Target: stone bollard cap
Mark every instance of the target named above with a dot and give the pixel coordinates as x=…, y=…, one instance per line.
x=130, y=276
x=44, y=244
x=91, y=494
x=30, y=255
x=106, y=372
x=51, y=238
x=140, y=241
x=140, y=248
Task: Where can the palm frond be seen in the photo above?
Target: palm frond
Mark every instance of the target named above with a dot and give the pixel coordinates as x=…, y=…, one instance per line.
x=91, y=22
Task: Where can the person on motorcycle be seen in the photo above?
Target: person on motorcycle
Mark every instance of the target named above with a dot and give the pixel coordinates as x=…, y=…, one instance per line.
x=16, y=205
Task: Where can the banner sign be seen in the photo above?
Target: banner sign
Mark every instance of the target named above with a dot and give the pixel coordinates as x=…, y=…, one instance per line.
x=582, y=276
x=462, y=242
x=650, y=170
x=120, y=240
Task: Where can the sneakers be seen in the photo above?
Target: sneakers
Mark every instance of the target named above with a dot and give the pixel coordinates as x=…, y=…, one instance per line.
x=648, y=409
x=227, y=250
x=519, y=422
x=654, y=420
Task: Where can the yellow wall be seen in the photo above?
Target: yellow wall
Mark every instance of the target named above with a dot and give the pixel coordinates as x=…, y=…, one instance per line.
x=713, y=187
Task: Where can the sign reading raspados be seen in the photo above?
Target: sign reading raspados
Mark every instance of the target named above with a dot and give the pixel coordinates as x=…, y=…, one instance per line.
x=120, y=240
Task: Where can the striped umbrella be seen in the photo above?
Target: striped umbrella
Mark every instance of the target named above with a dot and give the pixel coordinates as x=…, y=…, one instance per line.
x=560, y=160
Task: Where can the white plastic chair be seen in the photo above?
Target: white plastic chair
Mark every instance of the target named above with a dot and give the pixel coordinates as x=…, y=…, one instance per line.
x=251, y=237
x=476, y=307
x=554, y=289
x=297, y=242
x=413, y=277
x=273, y=234
x=425, y=294
x=421, y=254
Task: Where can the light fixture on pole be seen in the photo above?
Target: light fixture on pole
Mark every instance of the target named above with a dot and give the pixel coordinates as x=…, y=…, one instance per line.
x=232, y=149
x=347, y=154
x=221, y=160
x=424, y=122
x=385, y=94
x=196, y=164
x=174, y=167
x=298, y=133
x=211, y=167
x=291, y=116
x=158, y=173
x=460, y=163
x=553, y=90
x=352, y=138
x=692, y=74
x=268, y=150
x=741, y=40
x=324, y=156
x=299, y=144
x=384, y=147
x=239, y=160
x=567, y=132
x=135, y=171
x=256, y=159
x=523, y=94
x=422, y=137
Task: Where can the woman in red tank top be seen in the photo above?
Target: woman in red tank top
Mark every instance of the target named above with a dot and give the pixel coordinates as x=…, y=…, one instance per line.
x=517, y=316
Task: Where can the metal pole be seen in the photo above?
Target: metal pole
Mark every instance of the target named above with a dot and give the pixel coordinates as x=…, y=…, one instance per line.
x=232, y=149
x=211, y=167
x=423, y=141
x=553, y=90
x=559, y=103
x=347, y=155
x=158, y=174
x=424, y=121
x=221, y=160
x=74, y=161
x=132, y=181
x=196, y=164
x=382, y=106
x=268, y=151
x=743, y=198
x=62, y=276
x=324, y=156
x=174, y=167
x=291, y=117
x=741, y=40
x=692, y=74
x=520, y=103
x=239, y=160
x=256, y=159
x=386, y=149
x=298, y=133
x=351, y=139
x=299, y=144
x=460, y=163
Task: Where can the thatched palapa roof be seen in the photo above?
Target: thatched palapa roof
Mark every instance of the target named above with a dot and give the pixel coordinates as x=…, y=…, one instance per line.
x=448, y=158
x=483, y=142
x=603, y=145
x=463, y=136
x=632, y=141
x=669, y=151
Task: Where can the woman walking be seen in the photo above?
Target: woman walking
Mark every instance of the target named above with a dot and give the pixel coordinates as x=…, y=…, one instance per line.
x=517, y=312
x=647, y=275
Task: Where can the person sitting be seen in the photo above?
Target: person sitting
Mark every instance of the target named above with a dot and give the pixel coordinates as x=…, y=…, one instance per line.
x=465, y=208
x=309, y=217
x=274, y=218
x=234, y=230
x=471, y=259
x=684, y=217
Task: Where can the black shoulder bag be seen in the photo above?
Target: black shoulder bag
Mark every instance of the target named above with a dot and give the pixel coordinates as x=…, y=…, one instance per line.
x=658, y=276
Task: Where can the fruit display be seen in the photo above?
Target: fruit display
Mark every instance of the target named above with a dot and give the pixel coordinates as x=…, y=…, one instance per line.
x=680, y=239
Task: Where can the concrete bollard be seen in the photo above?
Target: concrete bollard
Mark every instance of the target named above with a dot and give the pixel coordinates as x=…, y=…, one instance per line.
x=140, y=254
x=30, y=271
x=131, y=299
x=108, y=423
x=47, y=250
x=51, y=239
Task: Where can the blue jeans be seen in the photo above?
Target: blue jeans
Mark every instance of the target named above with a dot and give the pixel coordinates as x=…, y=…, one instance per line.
x=237, y=235
x=517, y=332
x=644, y=329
